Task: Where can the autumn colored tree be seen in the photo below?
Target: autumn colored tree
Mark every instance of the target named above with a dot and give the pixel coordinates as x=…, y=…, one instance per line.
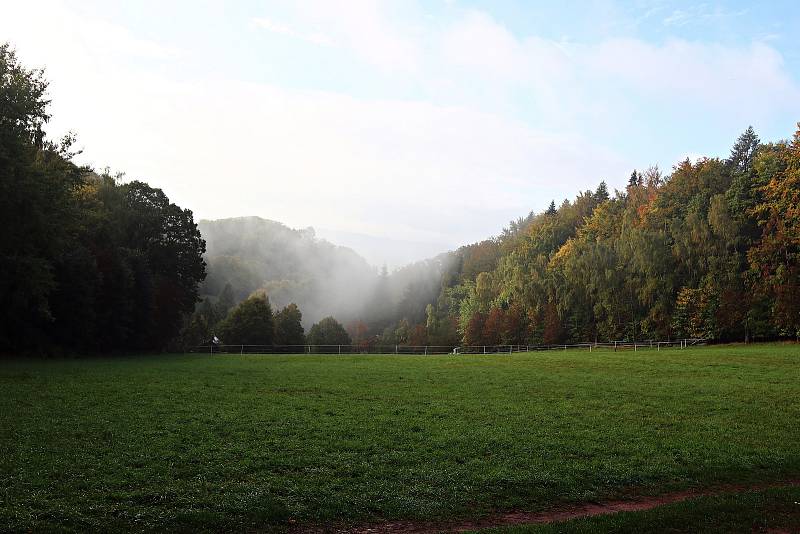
x=493, y=327
x=419, y=336
x=515, y=330
x=552, y=325
x=473, y=333
x=359, y=334
x=775, y=260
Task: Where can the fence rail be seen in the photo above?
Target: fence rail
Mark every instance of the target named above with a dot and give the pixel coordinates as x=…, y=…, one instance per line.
x=441, y=349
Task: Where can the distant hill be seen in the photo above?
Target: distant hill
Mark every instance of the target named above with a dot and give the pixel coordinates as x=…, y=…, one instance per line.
x=253, y=254
x=291, y=265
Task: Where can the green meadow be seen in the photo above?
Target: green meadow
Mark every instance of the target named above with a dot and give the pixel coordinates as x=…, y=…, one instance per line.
x=265, y=442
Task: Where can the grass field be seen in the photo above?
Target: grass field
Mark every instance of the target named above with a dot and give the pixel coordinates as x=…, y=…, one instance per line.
x=231, y=442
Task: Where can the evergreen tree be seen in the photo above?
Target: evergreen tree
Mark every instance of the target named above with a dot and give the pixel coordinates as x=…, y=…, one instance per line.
x=744, y=151
x=635, y=179
x=601, y=194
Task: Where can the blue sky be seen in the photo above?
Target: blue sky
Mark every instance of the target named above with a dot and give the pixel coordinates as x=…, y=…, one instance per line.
x=405, y=128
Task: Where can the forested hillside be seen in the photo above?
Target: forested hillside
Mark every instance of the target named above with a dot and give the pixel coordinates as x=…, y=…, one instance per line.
x=253, y=254
x=711, y=250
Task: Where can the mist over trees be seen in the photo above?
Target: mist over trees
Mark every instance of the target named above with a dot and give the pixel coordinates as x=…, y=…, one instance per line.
x=250, y=255
x=88, y=262
x=292, y=266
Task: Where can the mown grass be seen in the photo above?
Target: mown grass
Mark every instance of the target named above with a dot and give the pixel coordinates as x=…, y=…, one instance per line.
x=231, y=442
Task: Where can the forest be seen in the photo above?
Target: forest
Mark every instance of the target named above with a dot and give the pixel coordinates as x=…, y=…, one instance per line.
x=91, y=261
x=710, y=251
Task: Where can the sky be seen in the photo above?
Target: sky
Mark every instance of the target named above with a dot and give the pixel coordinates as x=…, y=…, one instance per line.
x=407, y=128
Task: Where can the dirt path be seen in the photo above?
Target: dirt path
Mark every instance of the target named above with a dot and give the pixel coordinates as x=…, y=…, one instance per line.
x=561, y=513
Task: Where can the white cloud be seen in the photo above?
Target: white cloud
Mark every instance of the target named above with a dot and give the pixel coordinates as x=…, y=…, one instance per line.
x=407, y=170
x=49, y=31
x=367, y=29
x=316, y=37
x=573, y=83
x=478, y=62
x=478, y=42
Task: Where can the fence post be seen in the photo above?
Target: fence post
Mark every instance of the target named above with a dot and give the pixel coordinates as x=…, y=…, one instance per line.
x=340, y=349
x=241, y=350
x=615, y=346
x=395, y=349
x=426, y=350
x=484, y=349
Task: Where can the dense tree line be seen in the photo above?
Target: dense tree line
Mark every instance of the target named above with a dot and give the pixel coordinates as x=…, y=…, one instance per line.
x=88, y=262
x=712, y=251
x=252, y=322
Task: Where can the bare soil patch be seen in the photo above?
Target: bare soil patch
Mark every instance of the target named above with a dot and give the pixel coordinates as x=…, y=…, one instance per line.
x=554, y=515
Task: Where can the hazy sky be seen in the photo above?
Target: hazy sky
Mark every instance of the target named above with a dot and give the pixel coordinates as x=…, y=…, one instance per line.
x=412, y=126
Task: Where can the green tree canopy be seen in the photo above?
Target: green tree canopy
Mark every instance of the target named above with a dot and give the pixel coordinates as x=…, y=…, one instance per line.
x=249, y=323
x=288, y=326
x=87, y=261
x=328, y=332
x=39, y=216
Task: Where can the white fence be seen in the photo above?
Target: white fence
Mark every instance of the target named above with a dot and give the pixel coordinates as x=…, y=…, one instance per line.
x=366, y=348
